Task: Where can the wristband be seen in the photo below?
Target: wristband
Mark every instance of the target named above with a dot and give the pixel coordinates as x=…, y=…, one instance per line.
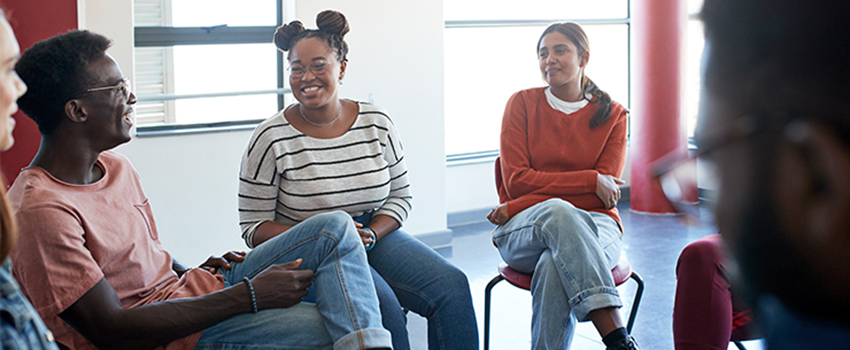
x=251, y=292
x=374, y=238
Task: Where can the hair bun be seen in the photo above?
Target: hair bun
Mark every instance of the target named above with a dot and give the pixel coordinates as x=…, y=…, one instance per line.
x=283, y=35
x=333, y=22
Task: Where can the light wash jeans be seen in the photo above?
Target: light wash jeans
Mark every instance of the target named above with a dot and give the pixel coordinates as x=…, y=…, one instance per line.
x=346, y=314
x=571, y=252
x=427, y=284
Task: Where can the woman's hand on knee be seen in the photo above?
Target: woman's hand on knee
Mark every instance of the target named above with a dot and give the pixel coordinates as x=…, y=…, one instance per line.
x=281, y=286
x=608, y=189
x=366, y=236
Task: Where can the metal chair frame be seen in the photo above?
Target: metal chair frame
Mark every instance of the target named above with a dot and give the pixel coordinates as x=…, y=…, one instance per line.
x=632, y=314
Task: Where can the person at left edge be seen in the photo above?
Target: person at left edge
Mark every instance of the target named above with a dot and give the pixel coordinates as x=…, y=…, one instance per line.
x=20, y=326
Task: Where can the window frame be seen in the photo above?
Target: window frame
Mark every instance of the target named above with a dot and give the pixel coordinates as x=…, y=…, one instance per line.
x=490, y=155
x=170, y=36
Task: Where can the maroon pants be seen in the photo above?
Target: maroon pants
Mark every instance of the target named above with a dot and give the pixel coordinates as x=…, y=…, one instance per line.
x=705, y=314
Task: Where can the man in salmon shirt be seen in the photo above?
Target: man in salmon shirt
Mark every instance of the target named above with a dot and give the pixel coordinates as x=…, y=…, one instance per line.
x=90, y=259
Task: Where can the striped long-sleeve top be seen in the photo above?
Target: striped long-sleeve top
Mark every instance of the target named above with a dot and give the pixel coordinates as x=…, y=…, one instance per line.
x=287, y=176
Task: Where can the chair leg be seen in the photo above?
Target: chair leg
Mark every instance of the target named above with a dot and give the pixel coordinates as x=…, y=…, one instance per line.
x=739, y=345
x=638, y=295
x=487, y=291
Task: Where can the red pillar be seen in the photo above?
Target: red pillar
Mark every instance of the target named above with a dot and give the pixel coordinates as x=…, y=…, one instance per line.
x=32, y=21
x=657, y=41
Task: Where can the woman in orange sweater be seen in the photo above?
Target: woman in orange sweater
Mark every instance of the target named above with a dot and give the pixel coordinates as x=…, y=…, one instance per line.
x=563, y=149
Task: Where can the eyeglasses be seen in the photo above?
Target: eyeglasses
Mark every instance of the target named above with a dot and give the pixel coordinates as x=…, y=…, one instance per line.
x=678, y=175
x=124, y=86
x=297, y=71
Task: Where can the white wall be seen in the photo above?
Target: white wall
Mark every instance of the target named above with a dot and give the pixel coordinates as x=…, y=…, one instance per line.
x=396, y=58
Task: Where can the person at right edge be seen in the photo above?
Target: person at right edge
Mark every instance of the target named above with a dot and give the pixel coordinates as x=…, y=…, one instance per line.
x=563, y=149
x=774, y=121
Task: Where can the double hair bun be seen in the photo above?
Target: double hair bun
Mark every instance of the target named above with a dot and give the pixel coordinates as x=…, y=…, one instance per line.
x=329, y=21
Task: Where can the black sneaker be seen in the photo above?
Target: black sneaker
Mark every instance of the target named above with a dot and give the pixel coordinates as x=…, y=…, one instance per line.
x=626, y=344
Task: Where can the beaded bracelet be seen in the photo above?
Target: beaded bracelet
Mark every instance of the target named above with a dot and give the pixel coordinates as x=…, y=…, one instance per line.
x=247, y=281
x=374, y=238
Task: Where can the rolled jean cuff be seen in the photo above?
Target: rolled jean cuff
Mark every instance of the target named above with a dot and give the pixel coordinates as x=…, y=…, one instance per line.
x=365, y=339
x=594, y=299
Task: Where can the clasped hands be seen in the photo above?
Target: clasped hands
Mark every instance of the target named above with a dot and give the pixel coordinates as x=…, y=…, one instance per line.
x=607, y=189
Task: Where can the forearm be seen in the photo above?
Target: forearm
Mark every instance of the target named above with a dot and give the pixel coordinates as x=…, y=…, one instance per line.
x=178, y=267
x=383, y=225
x=160, y=323
x=267, y=231
x=109, y=326
x=522, y=181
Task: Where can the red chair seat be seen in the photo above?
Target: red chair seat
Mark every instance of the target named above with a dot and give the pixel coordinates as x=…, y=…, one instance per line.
x=621, y=273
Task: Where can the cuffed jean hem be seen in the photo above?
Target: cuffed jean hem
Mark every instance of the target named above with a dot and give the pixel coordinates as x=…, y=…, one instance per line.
x=367, y=338
x=594, y=299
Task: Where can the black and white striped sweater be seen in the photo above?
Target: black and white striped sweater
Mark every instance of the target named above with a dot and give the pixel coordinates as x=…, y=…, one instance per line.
x=287, y=176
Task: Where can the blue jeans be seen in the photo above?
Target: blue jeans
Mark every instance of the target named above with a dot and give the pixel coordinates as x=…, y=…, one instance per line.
x=429, y=285
x=346, y=314
x=571, y=253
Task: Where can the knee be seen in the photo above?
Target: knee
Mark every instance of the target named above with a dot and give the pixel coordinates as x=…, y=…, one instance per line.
x=704, y=253
x=558, y=209
x=456, y=280
x=558, y=215
x=338, y=224
x=545, y=264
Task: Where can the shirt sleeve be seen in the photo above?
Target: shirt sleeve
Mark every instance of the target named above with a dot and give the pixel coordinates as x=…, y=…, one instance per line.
x=54, y=267
x=399, y=202
x=258, y=184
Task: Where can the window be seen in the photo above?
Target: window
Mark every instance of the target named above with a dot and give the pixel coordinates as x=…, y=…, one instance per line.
x=207, y=62
x=490, y=53
x=695, y=40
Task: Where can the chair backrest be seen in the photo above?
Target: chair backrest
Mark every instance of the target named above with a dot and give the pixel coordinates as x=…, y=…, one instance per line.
x=498, y=166
x=622, y=271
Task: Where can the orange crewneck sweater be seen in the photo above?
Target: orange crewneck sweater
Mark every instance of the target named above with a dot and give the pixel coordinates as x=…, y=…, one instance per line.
x=546, y=153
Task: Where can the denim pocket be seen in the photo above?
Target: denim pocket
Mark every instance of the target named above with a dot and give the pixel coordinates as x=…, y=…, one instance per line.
x=147, y=214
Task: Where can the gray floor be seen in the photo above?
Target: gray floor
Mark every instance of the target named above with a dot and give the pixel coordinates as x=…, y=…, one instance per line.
x=652, y=244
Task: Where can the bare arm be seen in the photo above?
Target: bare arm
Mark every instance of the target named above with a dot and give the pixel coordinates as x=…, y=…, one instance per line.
x=178, y=267
x=267, y=231
x=100, y=318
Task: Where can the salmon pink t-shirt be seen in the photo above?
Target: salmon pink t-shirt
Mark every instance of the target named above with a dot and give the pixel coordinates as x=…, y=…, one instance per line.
x=72, y=236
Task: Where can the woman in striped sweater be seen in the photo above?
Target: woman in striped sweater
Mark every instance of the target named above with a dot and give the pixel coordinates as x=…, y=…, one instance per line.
x=325, y=153
x=563, y=148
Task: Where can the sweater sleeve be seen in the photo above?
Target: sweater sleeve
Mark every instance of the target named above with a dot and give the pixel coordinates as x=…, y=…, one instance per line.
x=399, y=202
x=258, y=184
x=613, y=157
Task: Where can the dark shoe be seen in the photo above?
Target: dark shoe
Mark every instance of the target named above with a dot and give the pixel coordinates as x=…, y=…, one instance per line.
x=626, y=344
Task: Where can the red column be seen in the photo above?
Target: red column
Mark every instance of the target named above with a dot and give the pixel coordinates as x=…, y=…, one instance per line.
x=32, y=21
x=657, y=35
